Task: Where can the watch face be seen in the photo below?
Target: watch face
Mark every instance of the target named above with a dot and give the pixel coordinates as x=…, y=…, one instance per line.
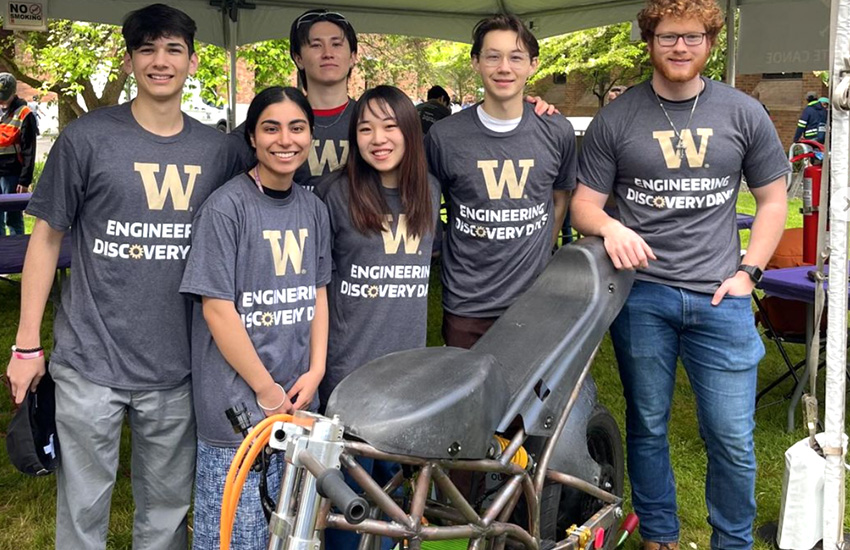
x=753, y=271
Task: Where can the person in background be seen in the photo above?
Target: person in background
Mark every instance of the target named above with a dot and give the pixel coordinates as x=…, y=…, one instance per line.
x=18, y=136
x=813, y=119
x=614, y=93
x=436, y=108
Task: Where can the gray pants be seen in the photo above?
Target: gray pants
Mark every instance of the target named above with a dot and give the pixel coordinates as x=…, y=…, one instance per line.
x=88, y=422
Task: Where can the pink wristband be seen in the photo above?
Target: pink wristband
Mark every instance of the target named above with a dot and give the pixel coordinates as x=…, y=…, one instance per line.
x=30, y=355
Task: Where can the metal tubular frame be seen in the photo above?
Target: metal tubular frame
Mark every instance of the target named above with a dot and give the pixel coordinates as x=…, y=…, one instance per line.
x=493, y=523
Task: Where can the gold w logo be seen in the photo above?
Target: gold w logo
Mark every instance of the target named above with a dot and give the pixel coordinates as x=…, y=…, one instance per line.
x=171, y=184
x=328, y=156
x=495, y=189
x=696, y=157
x=393, y=240
x=292, y=251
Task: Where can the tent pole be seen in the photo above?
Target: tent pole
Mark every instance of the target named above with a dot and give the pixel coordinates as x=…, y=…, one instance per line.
x=836, y=335
x=229, y=22
x=731, y=46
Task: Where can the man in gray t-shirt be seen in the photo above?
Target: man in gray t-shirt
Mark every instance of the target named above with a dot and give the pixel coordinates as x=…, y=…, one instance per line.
x=506, y=175
x=126, y=181
x=323, y=46
x=673, y=152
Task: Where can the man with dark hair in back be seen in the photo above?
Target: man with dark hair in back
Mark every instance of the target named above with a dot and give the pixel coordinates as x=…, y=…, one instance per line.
x=436, y=108
x=323, y=46
x=126, y=181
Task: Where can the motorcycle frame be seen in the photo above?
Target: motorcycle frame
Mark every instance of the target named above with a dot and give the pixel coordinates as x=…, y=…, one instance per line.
x=493, y=524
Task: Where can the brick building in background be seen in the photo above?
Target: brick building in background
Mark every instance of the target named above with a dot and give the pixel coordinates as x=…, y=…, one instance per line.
x=784, y=94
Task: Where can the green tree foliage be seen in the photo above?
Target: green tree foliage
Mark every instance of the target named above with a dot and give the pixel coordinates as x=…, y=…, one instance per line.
x=603, y=57
x=68, y=59
x=396, y=60
x=269, y=61
x=75, y=58
x=452, y=67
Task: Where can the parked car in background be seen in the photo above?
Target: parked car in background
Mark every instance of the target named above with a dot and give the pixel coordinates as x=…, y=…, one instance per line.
x=205, y=112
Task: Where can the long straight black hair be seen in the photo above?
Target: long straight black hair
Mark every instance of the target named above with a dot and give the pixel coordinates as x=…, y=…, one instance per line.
x=366, y=203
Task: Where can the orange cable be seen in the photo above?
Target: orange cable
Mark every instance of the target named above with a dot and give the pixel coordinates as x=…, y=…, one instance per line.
x=239, y=468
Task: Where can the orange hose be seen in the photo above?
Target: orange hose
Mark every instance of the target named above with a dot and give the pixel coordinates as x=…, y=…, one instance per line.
x=239, y=468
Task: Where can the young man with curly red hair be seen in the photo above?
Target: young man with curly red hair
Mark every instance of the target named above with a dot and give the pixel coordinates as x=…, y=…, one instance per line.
x=673, y=151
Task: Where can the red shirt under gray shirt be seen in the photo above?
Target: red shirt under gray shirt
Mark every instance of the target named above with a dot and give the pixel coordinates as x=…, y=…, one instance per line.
x=684, y=208
x=128, y=196
x=498, y=187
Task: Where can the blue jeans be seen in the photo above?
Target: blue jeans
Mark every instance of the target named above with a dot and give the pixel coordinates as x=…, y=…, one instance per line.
x=720, y=350
x=15, y=220
x=250, y=530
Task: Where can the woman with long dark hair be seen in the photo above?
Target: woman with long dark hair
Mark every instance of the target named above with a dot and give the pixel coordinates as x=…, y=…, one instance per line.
x=259, y=264
x=383, y=209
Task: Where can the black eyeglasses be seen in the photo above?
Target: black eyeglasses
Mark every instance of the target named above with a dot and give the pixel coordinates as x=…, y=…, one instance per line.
x=690, y=39
x=316, y=16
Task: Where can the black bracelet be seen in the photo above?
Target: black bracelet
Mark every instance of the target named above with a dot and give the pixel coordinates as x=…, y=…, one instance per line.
x=31, y=350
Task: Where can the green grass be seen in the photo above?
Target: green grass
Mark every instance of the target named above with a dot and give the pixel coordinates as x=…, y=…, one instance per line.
x=27, y=505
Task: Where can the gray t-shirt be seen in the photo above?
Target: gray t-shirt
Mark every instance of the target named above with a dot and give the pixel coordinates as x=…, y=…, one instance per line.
x=498, y=187
x=128, y=197
x=378, y=295
x=684, y=208
x=329, y=150
x=267, y=256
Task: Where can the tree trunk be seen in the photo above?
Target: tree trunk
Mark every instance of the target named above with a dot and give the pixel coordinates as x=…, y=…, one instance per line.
x=66, y=112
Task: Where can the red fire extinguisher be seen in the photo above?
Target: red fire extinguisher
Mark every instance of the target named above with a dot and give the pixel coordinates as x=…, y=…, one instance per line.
x=811, y=198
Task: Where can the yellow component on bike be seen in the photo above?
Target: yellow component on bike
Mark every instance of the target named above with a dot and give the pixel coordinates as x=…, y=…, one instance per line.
x=582, y=533
x=520, y=458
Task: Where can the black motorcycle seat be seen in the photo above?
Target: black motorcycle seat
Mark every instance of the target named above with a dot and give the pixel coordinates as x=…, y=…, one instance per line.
x=423, y=402
x=430, y=402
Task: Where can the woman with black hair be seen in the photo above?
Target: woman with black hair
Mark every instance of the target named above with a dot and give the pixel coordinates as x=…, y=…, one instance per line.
x=383, y=210
x=259, y=265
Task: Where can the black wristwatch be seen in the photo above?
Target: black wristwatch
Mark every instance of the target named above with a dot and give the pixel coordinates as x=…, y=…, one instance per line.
x=753, y=271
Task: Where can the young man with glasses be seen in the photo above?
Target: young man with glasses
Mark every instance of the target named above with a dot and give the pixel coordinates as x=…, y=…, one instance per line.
x=506, y=176
x=126, y=181
x=673, y=152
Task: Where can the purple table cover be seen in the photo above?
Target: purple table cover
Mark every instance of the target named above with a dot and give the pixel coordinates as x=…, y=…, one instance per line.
x=13, y=249
x=14, y=202
x=791, y=283
x=745, y=221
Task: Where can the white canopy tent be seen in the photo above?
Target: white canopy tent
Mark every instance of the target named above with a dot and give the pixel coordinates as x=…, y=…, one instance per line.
x=234, y=22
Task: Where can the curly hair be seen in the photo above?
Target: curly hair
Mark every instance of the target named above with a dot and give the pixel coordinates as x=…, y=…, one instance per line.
x=705, y=11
